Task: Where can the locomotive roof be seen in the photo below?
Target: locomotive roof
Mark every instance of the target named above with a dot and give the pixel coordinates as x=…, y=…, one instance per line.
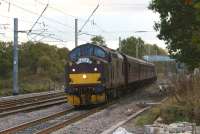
x=140, y=61
x=105, y=48
x=129, y=57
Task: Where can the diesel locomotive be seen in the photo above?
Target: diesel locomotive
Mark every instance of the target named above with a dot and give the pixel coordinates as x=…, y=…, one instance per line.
x=96, y=74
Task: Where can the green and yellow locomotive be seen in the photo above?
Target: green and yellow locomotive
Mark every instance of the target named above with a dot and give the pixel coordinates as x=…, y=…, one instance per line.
x=96, y=74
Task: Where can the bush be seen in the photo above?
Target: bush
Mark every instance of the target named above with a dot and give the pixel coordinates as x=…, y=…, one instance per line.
x=38, y=62
x=184, y=104
x=174, y=113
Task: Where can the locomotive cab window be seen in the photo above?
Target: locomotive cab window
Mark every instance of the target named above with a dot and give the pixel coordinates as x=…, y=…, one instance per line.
x=99, y=52
x=75, y=54
x=87, y=51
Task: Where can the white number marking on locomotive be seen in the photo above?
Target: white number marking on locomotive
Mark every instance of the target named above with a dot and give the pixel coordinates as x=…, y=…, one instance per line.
x=84, y=60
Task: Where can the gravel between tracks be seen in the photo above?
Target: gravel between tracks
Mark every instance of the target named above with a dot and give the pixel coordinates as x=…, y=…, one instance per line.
x=105, y=119
x=16, y=119
x=49, y=123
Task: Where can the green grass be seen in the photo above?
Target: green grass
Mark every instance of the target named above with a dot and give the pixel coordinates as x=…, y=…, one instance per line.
x=175, y=113
x=183, y=103
x=148, y=117
x=29, y=85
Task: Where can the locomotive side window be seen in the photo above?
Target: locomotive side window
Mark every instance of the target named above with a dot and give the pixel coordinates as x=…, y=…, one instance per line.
x=99, y=52
x=75, y=54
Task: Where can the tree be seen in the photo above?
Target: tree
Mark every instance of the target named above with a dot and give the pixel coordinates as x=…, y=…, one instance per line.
x=98, y=40
x=130, y=44
x=179, y=27
x=5, y=59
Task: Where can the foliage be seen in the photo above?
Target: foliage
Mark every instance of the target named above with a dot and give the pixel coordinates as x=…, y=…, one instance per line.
x=184, y=104
x=174, y=113
x=98, y=40
x=5, y=59
x=35, y=59
x=129, y=47
x=179, y=26
x=40, y=58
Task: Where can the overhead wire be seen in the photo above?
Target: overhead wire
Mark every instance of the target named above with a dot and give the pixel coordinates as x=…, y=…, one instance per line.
x=61, y=11
x=89, y=17
x=31, y=12
x=38, y=18
x=39, y=34
x=49, y=36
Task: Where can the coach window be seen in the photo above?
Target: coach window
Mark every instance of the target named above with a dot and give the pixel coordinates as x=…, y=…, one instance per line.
x=99, y=52
x=75, y=54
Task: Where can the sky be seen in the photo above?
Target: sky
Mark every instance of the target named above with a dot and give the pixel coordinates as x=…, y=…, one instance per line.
x=112, y=19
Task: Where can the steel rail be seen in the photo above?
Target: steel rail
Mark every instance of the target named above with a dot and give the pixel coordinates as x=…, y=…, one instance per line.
x=32, y=108
x=72, y=119
x=12, y=102
x=76, y=118
x=30, y=104
x=17, y=128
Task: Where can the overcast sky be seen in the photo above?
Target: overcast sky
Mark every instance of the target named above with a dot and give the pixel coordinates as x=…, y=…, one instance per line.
x=112, y=19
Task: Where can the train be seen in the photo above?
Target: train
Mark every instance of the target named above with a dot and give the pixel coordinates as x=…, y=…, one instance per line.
x=96, y=74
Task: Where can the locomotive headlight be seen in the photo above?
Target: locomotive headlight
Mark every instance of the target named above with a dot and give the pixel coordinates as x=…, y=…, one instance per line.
x=73, y=70
x=95, y=69
x=84, y=76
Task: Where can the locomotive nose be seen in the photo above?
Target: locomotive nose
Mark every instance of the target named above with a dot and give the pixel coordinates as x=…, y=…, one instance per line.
x=83, y=74
x=85, y=78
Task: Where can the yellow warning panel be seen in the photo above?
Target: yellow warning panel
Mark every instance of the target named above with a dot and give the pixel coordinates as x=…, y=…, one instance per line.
x=87, y=78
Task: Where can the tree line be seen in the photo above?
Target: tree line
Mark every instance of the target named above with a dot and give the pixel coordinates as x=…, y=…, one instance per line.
x=137, y=47
x=133, y=45
x=34, y=59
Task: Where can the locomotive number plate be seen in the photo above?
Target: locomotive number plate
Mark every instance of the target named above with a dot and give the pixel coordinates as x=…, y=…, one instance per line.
x=84, y=60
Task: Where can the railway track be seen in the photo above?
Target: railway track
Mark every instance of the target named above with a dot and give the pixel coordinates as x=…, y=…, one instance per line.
x=30, y=103
x=11, y=102
x=71, y=120
x=60, y=119
x=54, y=122
x=80, y=116
x=26, y=125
